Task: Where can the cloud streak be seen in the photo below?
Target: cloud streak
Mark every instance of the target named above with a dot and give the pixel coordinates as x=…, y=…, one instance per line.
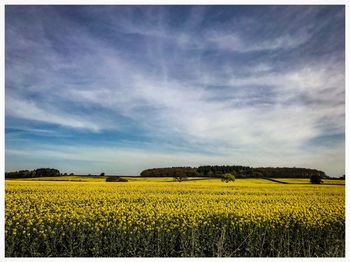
x=212, y=81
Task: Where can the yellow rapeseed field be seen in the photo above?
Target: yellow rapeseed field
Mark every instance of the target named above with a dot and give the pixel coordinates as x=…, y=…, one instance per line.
x=250, y=217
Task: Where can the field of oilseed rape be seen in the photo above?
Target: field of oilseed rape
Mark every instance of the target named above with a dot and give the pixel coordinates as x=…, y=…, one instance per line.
x=162, y=218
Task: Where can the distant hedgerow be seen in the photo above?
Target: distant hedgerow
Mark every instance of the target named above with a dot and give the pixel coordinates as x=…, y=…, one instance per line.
x=116, y=179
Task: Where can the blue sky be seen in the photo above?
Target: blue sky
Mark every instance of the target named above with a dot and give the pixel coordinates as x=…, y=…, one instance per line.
x=118, y=89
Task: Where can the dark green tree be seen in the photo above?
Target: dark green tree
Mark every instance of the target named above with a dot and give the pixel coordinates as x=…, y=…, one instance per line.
x=228, y=177
x=116, y=179
x=179, y=176
x=315, y=179
x=47, y=172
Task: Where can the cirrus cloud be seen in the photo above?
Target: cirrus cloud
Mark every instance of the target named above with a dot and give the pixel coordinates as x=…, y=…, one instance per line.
x=235, y=85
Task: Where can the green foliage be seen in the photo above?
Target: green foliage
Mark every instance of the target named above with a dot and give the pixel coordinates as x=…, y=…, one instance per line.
x=40, y=172
x=170, y=172
x=239, y=172
x=102, y=174
x=180, y=176
x=315, y=179
x=116, y=179
x=287, y=172
x=218, y=171
x=228, y=178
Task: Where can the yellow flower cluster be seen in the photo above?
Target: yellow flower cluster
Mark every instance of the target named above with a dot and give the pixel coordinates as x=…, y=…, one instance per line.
x=53, y=211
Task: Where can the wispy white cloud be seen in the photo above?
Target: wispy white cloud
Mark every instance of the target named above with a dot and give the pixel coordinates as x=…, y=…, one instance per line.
x=30, y=111
x=234, y=42
x=221, y=88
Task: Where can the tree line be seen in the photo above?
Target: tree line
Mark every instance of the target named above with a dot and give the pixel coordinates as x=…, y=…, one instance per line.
x=40, y=172
x=239, y=171
x=201, y=171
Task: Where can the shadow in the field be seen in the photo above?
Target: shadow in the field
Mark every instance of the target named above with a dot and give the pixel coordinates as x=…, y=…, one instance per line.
x=283, y=182
x=192, y=179
x=277, y=181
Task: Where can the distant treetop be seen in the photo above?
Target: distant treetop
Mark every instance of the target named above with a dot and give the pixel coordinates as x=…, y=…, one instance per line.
x=40, y=172
x=239, y=171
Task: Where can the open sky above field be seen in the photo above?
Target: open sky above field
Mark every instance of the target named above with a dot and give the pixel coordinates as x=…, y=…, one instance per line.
x=118, y=89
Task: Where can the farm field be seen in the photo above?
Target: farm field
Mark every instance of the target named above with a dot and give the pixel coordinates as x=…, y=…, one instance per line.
x=156, y=217
x=103, y=179
x=307, y=181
